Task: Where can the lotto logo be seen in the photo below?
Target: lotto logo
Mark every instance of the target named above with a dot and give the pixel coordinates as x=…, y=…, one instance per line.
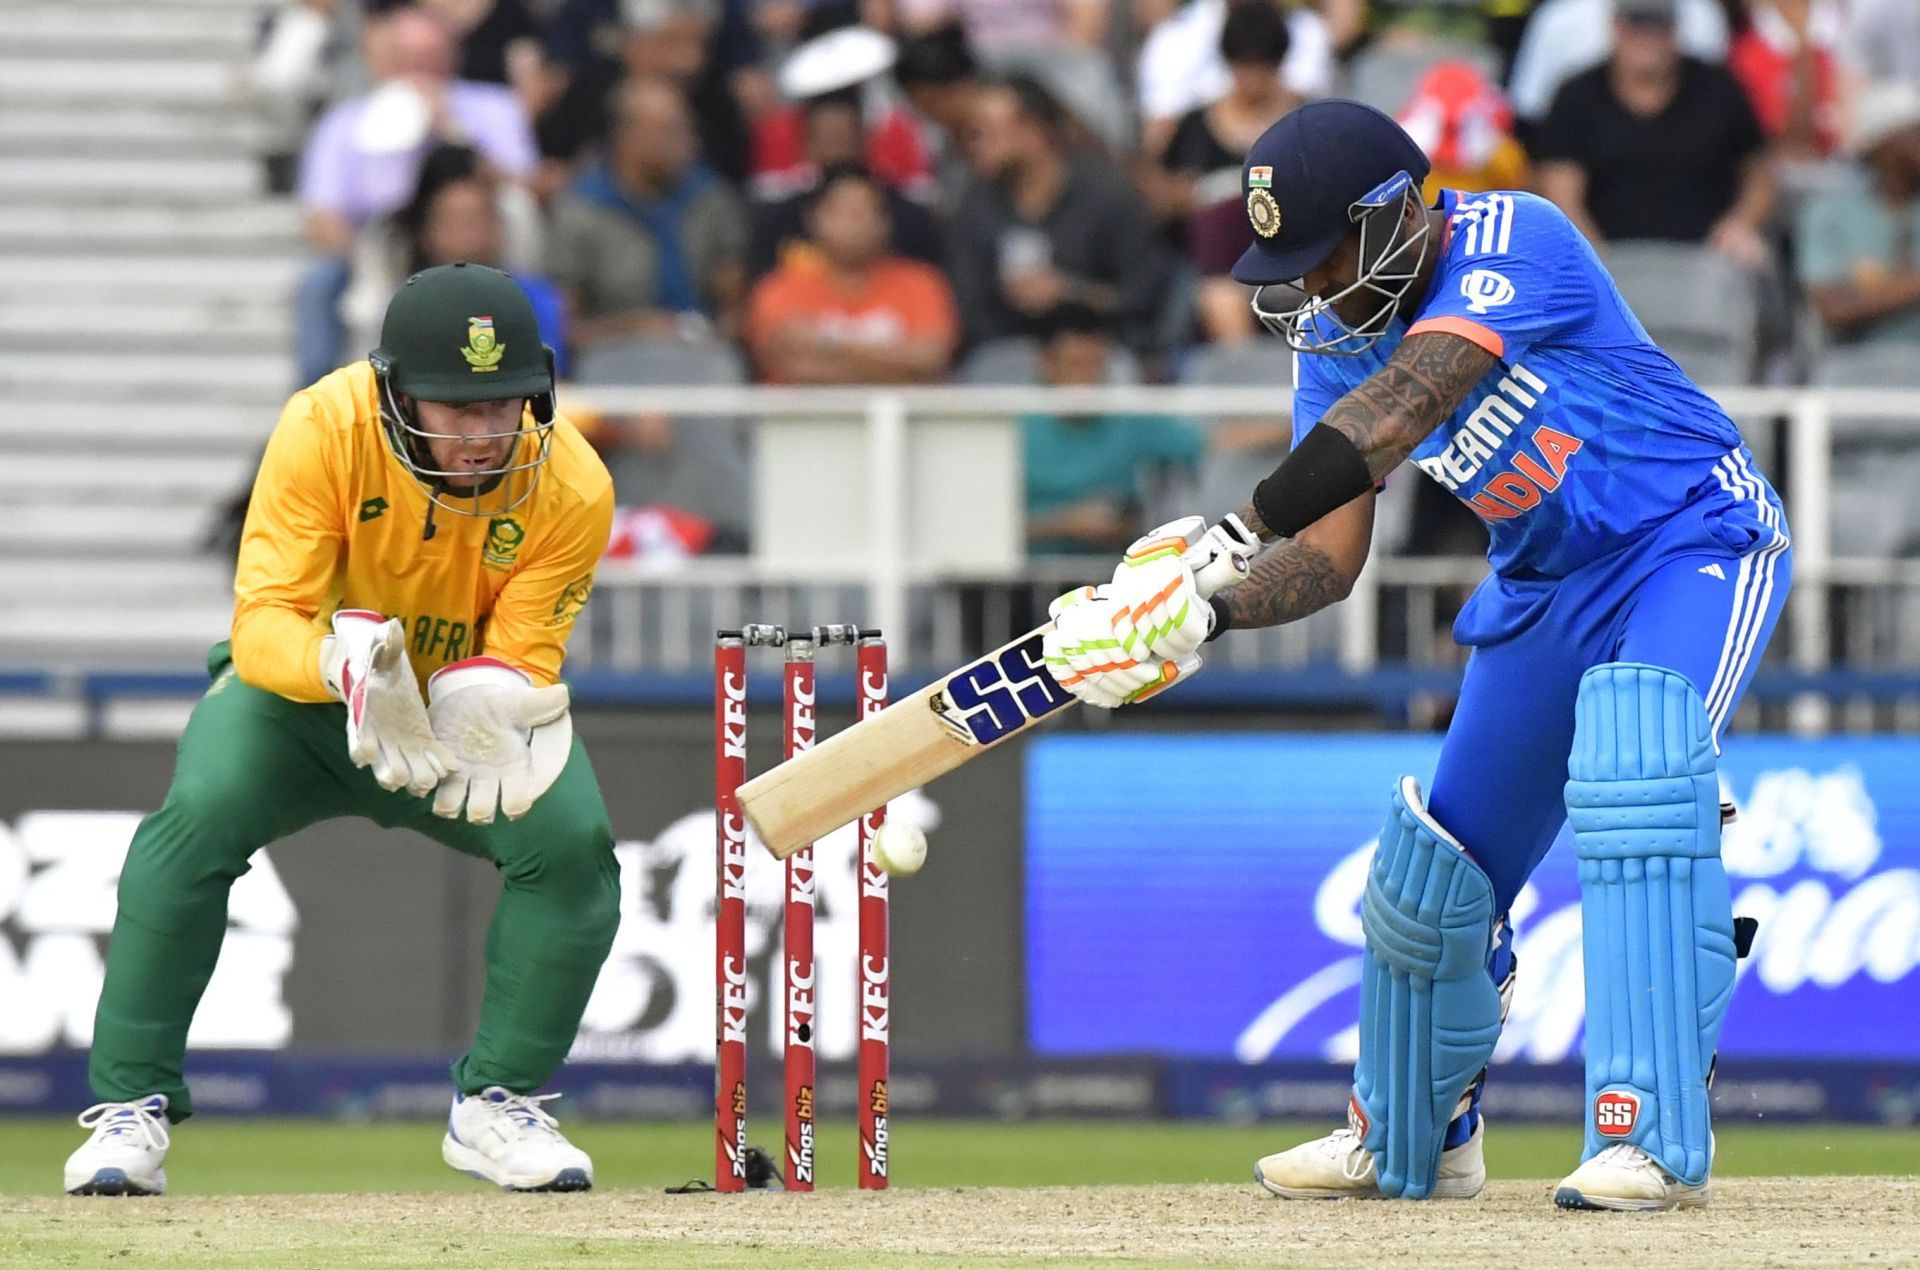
x=1616, y=1113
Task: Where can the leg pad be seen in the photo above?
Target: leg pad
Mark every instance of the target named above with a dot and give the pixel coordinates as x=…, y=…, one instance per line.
x=1644, y=802
x=1429, y=1013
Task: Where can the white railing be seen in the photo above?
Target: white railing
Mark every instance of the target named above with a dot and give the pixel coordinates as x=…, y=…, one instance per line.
x=884, y=574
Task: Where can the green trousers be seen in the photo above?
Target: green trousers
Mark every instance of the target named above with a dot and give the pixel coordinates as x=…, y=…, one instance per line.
x=253, y=768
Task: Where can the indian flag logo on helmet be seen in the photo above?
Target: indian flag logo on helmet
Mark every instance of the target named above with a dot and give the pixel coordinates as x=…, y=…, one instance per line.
x=484, y=349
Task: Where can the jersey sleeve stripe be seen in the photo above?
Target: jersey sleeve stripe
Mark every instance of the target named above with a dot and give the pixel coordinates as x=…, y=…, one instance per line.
x=1487, y=223
x=1465, y=329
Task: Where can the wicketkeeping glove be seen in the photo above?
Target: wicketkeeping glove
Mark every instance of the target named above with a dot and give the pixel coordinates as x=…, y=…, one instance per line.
x=504, y=733
x=364, y=664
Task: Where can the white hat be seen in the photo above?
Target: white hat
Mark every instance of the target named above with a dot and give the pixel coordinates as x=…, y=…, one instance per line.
x=839, y=59
x=1882, y=111
x=394, y=119
x=651, y=15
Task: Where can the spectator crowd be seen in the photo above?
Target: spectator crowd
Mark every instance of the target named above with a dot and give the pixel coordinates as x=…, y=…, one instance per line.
x=919, y=191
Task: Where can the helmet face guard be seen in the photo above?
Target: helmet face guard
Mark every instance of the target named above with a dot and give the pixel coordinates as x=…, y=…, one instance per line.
x=1391, y=257
x=503, y=488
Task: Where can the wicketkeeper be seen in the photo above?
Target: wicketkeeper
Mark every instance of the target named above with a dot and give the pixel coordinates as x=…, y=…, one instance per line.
x=422, y=536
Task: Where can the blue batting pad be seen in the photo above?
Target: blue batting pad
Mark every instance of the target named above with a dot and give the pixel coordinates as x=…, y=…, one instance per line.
x=1644, y=802
x=1429, y=1012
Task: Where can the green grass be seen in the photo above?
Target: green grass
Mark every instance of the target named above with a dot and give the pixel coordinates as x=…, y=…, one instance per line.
x=211, y=1156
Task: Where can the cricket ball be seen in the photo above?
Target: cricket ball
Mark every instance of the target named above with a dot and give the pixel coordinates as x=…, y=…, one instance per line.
x=899, y=848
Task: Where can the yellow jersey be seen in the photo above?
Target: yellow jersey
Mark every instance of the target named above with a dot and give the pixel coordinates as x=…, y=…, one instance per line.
x=337, y=521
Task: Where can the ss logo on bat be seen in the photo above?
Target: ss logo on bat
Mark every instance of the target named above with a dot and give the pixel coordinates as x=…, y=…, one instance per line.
x=999, y=694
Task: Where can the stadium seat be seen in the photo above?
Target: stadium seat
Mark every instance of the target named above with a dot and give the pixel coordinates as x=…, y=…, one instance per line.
x=1015, y=362
x=1699, y=306
x=1228, y=474
x=705, y=466
x=1384, y=76
x=1876, y=462
x=661, y=361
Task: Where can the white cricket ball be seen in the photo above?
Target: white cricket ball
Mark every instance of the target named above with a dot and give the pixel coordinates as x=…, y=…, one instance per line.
x=899, y=848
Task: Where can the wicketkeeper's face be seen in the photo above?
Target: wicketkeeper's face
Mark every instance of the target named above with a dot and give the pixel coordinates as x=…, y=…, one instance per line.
x=473, y=439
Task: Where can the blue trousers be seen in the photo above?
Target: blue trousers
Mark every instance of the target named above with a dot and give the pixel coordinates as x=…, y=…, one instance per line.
x=1691, y=600
x=319, y=335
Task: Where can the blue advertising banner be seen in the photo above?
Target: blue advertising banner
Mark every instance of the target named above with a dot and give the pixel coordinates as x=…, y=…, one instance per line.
x=1210, y=908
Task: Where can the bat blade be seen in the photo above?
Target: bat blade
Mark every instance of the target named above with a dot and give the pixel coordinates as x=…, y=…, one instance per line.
x=947, y=723
x=909, y=743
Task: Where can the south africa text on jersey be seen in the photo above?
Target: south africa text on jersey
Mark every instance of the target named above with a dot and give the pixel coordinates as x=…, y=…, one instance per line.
x=442, y=639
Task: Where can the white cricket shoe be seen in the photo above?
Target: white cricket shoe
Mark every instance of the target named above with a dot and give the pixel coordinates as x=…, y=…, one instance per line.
x=1338, y=1167
x=125, y=1153
x=1623, y=1178
x=509, y=1140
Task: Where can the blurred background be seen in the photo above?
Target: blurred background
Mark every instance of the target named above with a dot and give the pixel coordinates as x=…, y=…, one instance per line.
x=912, y=313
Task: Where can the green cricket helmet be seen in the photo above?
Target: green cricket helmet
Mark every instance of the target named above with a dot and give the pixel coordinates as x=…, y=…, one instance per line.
x=462, y=333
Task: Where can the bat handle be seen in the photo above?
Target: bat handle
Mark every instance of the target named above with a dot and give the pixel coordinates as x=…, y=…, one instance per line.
x=1218, y=564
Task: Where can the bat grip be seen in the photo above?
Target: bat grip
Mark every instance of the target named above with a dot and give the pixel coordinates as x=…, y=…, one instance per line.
x=1225, y=568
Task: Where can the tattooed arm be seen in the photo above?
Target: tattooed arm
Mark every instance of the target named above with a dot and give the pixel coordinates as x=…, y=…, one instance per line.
x=1394, y=409
x=1299, y=576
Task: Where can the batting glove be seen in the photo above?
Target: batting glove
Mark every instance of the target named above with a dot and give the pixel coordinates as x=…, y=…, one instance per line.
x=364, y=664
x=1161, y=611
x=1082, y=654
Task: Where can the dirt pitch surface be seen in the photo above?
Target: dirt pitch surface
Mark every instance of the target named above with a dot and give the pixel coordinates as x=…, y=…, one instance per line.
x=1753, y=1223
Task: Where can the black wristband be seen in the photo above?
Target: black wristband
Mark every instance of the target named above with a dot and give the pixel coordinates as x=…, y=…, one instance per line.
x=1222, y=618
x=1325, y=471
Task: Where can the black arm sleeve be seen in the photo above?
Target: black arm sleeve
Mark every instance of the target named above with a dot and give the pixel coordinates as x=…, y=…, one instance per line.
x=1325, y=472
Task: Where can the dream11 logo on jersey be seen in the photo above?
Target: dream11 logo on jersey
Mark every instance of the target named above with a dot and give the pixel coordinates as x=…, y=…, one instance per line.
x=1801, y=858
x=59, y=871
x=653, y=1002
x=1484, y=433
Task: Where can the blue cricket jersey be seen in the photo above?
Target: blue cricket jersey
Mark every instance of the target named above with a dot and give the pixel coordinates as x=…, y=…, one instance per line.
x=1585, y=440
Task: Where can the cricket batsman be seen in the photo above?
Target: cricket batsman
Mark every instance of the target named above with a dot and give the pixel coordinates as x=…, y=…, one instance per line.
x=422, y=535
x=1639, y=562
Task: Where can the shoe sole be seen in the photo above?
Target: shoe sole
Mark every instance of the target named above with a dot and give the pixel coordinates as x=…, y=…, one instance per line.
x=1569, y=1198
x=1444, y=1189
x=466, y=1160
x=115, y=1182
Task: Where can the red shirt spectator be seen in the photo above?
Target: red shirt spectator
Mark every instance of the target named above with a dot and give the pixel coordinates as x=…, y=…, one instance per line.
x=1785, y=60
x=896, y=154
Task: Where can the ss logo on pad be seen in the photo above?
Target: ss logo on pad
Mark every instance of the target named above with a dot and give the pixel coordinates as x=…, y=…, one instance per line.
x=1615, y=1113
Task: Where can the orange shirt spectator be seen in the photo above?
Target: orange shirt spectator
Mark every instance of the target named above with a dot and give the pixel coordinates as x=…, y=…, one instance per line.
x=842, y=311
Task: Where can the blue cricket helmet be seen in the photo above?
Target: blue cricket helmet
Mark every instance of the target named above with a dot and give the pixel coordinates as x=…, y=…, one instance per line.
x=1317, y=175
x=1303, y=176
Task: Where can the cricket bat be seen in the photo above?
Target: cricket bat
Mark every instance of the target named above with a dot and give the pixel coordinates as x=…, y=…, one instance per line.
x=951, y=721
